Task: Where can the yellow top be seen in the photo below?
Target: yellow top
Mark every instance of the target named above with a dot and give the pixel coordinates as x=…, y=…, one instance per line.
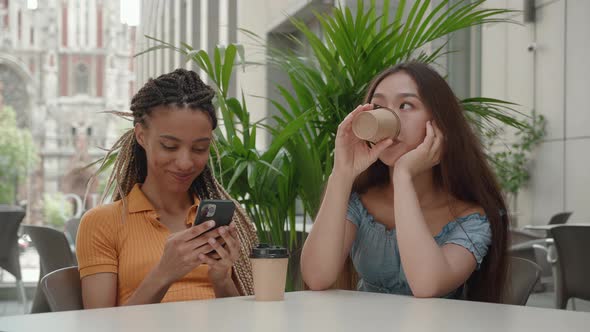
x=132, y=246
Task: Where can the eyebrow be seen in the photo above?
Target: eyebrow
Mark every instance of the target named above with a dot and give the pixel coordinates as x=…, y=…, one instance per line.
x=172, y=138
x=403, y=94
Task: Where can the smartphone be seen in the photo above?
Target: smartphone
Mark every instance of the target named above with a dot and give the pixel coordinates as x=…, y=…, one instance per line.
x=220, y=211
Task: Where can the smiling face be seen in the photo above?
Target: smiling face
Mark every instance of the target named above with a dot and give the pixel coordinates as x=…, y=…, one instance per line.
x=399, y=93
x=176, y=142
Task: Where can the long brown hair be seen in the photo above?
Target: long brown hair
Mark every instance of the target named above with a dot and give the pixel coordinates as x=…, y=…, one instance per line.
x=463, y=172
x=181, y=88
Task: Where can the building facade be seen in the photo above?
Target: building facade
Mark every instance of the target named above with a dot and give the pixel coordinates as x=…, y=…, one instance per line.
x=203, y=24
x=62, y=63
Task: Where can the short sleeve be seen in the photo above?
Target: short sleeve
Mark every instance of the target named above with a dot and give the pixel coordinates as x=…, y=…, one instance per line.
x=355, y=209
x=474, y=233
x=96, y=242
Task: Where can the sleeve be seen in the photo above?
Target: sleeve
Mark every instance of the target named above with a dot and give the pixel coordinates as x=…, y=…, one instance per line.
x=96, y=242
x=355, y=210
x=474, y=234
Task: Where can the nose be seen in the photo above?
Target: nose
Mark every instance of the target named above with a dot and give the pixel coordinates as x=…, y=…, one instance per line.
x=397, y=111
x=184, y=161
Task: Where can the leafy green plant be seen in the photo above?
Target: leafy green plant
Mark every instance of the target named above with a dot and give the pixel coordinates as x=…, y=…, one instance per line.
x=512, y=162
x=331, y=79
x=263, y=182
x=17, y=154
x=325, y=85
x=56, y=209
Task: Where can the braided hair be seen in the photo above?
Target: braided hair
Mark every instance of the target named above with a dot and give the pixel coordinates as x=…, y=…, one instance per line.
x=181, y=88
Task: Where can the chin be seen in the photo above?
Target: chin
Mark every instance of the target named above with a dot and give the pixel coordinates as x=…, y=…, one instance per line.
x=177, y=186
x=391, y=155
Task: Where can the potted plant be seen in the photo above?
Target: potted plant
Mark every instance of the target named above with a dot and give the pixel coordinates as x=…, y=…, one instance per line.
x=326, y=85
x=511, y=161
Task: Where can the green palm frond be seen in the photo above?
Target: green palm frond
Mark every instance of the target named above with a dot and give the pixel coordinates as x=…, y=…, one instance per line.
x=324, y=85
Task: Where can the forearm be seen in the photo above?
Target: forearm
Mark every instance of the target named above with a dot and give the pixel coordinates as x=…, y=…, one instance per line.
x=423, y=261
x=151, y=290
x=322, y=255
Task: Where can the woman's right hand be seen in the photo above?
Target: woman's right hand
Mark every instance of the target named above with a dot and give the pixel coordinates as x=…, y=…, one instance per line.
x=182, y=250
x=352, y=155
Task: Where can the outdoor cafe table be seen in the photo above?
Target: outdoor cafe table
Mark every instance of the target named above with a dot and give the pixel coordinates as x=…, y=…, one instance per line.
x=333, y=310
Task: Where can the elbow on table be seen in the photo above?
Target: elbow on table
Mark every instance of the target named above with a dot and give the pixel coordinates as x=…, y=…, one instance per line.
x=317, y=285
x=315, y=281
x=426, y=291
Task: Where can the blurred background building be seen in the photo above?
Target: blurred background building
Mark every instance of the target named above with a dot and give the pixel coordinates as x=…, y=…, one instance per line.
x=62, y=63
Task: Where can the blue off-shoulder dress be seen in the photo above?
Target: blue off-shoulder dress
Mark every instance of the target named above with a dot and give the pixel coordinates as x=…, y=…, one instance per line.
x=375, y=252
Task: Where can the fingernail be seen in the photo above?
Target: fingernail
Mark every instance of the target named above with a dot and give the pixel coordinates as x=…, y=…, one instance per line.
x=222, y=230
x=211, y=223
x=212, y=240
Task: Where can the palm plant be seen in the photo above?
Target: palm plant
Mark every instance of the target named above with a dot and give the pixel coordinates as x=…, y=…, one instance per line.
x=351, y=49
x=324, y=86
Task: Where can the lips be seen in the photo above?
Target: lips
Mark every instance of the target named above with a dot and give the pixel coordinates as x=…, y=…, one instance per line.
x=182, y=177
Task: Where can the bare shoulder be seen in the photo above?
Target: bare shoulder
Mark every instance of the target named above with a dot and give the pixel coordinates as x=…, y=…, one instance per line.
x=463, y=209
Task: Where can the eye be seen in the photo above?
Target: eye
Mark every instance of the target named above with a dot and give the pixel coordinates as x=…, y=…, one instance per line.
x=376, y=106
x=200, y=148
x=167, y=147
x=406, y=106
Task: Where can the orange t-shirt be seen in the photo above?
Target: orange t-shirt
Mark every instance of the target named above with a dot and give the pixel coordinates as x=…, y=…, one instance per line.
x=132, y=246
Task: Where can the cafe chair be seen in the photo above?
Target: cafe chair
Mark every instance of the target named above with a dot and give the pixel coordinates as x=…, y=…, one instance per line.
x=572, y=243
x=62, y=289
x=10, y=220
x=523, y=275
x=54, y=253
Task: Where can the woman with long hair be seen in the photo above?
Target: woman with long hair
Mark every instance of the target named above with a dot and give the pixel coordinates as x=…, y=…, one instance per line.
x=420, y=215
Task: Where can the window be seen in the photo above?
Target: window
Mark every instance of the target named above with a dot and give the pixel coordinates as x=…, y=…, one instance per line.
x=81, y=79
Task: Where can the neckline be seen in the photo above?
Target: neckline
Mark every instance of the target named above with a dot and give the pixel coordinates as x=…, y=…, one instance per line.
x=376, y=224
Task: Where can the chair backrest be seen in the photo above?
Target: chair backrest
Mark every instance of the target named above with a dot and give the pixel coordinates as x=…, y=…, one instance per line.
x=560, y=218
x=63, y=290
x=10, y=220
x=523, y=275
x=572, y=243
x=518, y=236
x=53, y=248
x=71, y=229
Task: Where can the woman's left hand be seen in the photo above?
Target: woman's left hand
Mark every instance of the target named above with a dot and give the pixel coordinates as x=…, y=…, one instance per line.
x=425, y=156
x=222, y=260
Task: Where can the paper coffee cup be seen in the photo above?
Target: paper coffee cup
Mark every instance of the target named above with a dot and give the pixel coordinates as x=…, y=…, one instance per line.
x=269, y=269
x=376, y=125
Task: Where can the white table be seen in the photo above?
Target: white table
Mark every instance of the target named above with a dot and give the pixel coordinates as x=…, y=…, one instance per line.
x=309, y=311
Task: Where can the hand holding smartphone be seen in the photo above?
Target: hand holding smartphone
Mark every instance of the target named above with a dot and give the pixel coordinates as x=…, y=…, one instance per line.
x=220, y=211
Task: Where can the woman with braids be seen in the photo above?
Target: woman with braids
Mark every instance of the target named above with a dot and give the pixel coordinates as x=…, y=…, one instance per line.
x=419, y=215
x=141, y=248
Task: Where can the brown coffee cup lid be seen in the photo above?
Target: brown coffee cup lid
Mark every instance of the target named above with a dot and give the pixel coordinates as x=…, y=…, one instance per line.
x=264, y=250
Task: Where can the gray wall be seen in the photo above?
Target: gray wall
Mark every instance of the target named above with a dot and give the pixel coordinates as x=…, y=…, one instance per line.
x=552, y=80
